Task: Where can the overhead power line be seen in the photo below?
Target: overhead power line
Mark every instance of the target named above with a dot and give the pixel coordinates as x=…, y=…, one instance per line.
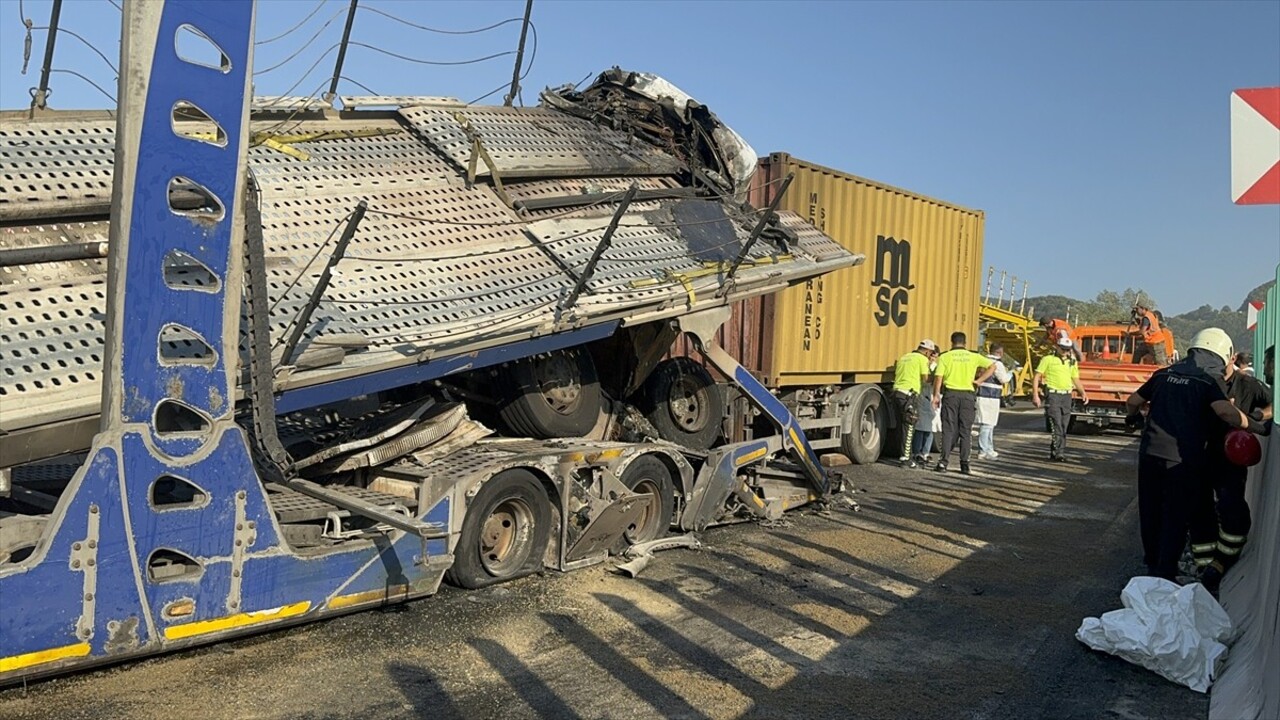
x=290, y=31
x=441, y=31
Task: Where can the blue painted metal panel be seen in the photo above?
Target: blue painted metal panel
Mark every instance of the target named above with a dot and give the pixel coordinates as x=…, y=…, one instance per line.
x=114, y=485
x=793, y=437
x=58, y=589
x=155, y=229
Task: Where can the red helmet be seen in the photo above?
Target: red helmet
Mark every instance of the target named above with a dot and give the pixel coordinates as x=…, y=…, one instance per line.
x=1242, y=448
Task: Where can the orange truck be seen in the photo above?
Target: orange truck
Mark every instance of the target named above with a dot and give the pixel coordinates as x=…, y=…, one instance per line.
x=1115, y=363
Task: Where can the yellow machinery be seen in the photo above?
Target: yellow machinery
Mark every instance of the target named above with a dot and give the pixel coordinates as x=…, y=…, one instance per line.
x=1008, y=322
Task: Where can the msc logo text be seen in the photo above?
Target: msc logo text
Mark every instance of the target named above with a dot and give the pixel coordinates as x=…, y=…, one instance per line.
x=893, y=280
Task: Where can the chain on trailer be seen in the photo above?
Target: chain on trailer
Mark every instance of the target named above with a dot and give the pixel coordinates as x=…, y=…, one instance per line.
x=274, y=462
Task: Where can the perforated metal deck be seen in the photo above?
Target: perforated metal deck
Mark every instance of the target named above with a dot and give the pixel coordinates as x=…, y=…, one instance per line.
x=537, y=142
x=46, y=168
x=436, y=266
x=291, y=506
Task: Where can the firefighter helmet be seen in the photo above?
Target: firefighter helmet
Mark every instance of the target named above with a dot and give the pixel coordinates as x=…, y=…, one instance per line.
x=1242, y=448
x=1216, y=341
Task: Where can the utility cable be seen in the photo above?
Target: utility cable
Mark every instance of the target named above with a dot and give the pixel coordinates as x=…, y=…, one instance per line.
x=305, y=45
x=96, y=86
x=360, y=85
x=87, y=44
x=401, y=20
x=290, y=31
x=533, y=56
x=420, y=61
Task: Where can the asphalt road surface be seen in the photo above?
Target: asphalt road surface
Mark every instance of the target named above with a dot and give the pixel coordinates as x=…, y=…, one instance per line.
x=937, y=596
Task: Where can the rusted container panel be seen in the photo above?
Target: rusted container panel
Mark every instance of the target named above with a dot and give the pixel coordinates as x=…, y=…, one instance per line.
x=920, y=279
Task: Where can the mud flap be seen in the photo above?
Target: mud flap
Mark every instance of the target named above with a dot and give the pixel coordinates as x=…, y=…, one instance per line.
x=603, y=531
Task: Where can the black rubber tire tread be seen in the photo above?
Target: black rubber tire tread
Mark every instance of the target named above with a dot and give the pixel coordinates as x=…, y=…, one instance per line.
x=526, y=414
x=655, y=395
x=851, y=443
x=467, y=570
x=652, y=468
x=1080, y=427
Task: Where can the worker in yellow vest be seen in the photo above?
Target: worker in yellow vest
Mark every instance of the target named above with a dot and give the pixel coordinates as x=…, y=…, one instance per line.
x=1060, y=374
x=955, y=384
x=910, y=374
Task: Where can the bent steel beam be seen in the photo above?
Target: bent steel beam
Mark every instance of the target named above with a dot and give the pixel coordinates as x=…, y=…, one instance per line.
x=702, y=327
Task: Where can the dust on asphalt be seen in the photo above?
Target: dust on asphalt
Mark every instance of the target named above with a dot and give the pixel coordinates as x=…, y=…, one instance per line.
x=935, y=596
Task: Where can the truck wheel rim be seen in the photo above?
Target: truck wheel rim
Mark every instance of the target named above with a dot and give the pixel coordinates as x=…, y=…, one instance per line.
x=504, y=537
x=686, y=405
x=559, y=383
x=640, y=529
x=869, y=430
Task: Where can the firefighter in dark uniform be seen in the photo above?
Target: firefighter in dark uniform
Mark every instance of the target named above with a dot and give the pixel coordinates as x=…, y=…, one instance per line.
x=1186, y=402
x=1218, y=537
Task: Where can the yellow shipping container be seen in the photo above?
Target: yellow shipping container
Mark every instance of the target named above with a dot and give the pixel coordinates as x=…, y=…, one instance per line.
x=920, y=280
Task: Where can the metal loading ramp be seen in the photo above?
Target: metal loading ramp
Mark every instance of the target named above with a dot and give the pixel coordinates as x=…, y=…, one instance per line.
x=438, y=267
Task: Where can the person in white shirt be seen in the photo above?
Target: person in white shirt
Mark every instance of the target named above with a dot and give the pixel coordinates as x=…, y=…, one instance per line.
x=988, y=411
x=928, y=422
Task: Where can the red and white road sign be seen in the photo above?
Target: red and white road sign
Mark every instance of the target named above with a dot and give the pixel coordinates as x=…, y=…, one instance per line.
x=1251, y=314
x=1255, y=146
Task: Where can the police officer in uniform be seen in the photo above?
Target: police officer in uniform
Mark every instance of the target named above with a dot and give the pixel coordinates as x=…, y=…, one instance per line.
x=1186, y=401
x=1060, y=374
x=954, y=393
x=1218, y=537
x=909, y=375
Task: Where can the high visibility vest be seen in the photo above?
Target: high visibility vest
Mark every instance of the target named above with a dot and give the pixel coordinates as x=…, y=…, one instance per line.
x=991, y=387
x=1058, y=329
x=1151, y=333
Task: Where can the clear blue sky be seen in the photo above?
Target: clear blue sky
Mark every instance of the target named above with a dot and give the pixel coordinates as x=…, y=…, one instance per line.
x=1094, y=135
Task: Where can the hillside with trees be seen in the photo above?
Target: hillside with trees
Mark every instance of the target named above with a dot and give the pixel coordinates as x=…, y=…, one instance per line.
x=1112, y=305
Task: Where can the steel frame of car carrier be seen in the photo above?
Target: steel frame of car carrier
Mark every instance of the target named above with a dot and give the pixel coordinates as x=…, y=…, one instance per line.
x=118, y=573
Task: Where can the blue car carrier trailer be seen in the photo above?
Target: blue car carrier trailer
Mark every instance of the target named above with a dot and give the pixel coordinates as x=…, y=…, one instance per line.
x=247, y=472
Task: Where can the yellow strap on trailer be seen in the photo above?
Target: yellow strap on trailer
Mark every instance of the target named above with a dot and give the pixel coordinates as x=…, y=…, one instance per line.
x=284, y=142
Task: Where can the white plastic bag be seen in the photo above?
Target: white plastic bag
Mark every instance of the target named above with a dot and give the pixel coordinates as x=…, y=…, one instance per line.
x=1178, y=632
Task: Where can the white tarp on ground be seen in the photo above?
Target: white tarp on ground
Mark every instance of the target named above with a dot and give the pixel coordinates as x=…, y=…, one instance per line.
x=1176, y=631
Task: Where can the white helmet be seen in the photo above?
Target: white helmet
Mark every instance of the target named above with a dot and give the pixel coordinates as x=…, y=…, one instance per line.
x=1216, y=341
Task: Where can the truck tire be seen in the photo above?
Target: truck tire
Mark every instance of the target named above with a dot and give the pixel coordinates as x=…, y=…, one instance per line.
x=552, y=396
x=648, y=475
x=504, y=532
x=1079, y=426
x=868, y=418
x=680, y=399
